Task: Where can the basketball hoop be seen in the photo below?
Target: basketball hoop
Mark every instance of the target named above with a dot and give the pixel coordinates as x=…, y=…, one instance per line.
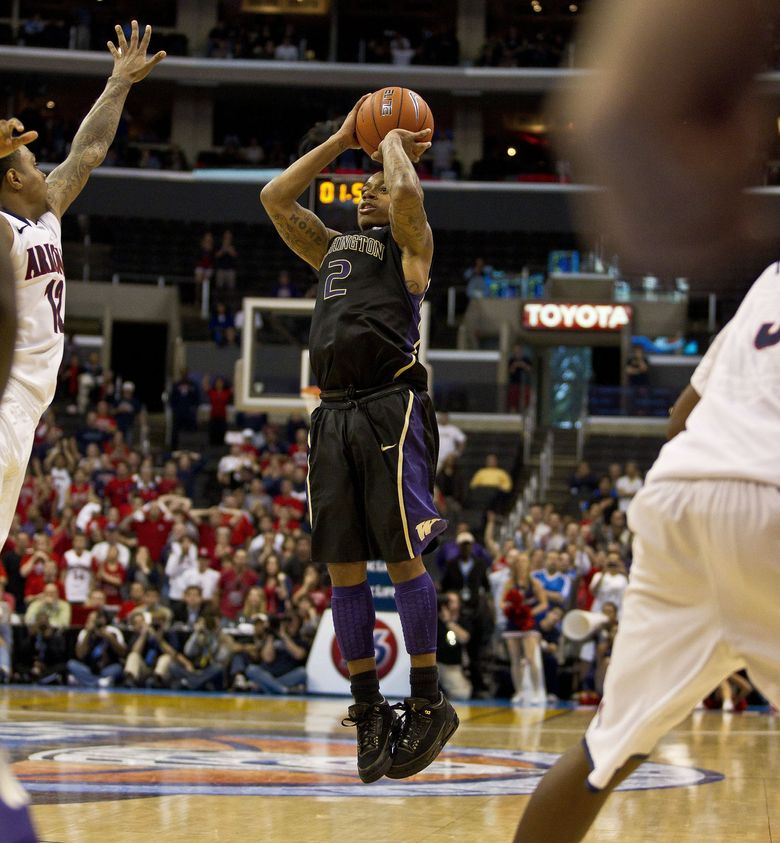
x=311, y=398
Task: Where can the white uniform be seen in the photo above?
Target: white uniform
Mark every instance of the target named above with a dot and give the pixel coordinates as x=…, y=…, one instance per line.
x=702, y=598
x=36, y=256
x=78, y=575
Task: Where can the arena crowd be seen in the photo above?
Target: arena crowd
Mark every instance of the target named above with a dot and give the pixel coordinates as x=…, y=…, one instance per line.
x=132, y=566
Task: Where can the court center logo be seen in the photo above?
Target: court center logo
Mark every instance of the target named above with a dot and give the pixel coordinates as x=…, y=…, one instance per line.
x=153, y=762
x=385, y=648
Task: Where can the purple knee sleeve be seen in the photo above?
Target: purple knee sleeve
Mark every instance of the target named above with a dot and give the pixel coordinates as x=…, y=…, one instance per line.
x=416, y=602
x=353, y=619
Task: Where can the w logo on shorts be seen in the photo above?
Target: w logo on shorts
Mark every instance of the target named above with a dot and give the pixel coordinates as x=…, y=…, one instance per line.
x=424, y=527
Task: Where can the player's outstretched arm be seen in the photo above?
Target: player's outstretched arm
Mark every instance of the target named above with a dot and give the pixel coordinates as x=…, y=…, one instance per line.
x=303, y=231
x=7, y=306
x=669, y=125
x=408, y=221
x=98, y=128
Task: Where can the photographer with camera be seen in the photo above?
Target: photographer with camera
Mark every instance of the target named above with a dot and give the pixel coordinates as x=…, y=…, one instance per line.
x=41, y=654
x=152, y=649
x=206, y=654
x=248, y=653
x=452, y=637
x=100, y=650
x=281, y=668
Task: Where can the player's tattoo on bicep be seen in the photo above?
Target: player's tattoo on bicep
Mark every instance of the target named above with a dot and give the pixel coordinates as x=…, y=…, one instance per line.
x=303, y=232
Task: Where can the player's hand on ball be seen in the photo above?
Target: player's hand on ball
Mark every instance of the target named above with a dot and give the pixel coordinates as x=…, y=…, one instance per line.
x=414, y=143
x=346, y=134
x=130, y=61
x=10, y=143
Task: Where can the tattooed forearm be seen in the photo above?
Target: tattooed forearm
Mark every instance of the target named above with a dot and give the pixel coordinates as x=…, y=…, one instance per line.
x=98, y=128
x=408, y=220
x=89, y=146
x=303, y=232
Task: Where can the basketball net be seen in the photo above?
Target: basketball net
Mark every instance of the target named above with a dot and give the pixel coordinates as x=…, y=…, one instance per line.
x=311, y=398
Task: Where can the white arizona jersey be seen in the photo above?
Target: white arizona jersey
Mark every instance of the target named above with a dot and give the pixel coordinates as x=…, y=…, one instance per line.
x=734, y=430
x=36, y=255
x=78, y=575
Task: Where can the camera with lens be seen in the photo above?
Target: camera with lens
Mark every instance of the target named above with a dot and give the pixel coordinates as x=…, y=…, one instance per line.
x=275, y=623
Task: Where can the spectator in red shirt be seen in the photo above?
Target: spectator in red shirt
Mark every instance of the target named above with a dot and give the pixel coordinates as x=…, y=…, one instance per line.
x=105, y=421
x=35, y=586
x=135, y=598
x=312, y=588
x=169, y=482
x=33, y=566
x=110, y=576
x=208, y=522
x=287, y=519
x=234, y=584
x=69, y=379
x=64, y=530
x=151, y=525
x=118, y=489
x=116, y=448
x=276, y=586
x=145, y=483
x=220, y=395
x=286, y=498
x=79, y=491
x=241, y=528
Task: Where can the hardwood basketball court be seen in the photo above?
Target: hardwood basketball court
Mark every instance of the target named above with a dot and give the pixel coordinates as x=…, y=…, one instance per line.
x=139, y=766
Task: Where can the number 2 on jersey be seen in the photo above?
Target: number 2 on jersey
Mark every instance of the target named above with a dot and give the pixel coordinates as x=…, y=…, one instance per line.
x=54, y=295
x=341, y=270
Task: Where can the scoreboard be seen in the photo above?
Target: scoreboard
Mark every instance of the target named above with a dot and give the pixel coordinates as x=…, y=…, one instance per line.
x=334, y=199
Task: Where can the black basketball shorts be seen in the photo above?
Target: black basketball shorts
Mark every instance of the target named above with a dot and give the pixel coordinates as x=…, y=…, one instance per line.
x=372, y=464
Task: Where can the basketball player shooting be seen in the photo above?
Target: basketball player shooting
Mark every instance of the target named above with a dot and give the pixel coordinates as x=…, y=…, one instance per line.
x=31, y=262
x=374, y=437
x=702, y=600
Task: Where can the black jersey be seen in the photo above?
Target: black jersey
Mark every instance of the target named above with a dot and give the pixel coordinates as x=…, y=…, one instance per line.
x=365, y=331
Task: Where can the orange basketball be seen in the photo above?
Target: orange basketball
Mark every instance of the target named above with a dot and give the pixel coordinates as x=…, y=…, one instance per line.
x=391, y=108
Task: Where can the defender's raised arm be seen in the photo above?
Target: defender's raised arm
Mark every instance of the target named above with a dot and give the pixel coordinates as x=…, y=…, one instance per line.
x=300, y=229
x=98, y=128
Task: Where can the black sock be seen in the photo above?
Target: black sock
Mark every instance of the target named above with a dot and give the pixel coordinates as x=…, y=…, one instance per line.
x=425, y=682
x=365, y=687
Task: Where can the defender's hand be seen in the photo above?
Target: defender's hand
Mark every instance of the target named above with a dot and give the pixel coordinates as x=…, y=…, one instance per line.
x=346, y=133
x=130, y=61
x=414, y=143
x=8, y=143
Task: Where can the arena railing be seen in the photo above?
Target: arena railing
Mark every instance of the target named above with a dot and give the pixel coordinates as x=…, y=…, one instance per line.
x=315, y=75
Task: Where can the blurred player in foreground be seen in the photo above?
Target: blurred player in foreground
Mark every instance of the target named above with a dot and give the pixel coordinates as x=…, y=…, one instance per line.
x=31, y=266
x=702, y=601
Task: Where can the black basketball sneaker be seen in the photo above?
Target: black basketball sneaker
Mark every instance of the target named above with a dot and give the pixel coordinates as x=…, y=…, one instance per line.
x=423, y=730
x=375, y=729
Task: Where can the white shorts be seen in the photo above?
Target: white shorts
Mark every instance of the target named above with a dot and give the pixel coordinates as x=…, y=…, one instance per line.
x=18, y=420
x=701, y=603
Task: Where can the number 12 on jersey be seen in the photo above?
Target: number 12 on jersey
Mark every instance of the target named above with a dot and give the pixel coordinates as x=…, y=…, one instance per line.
x=340, y=270
x=54, y=295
